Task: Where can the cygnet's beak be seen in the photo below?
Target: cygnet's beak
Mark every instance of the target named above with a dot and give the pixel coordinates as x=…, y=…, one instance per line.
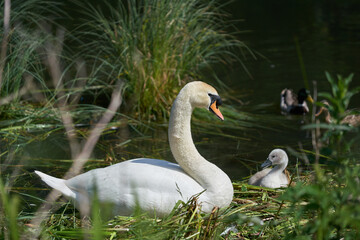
x=266, y=164
x=213, y=108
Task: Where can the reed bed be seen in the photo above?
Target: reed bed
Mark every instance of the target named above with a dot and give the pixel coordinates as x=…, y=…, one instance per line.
x=160, y=45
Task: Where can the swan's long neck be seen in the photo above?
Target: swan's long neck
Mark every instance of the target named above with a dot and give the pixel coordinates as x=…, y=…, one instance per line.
x=208, y=175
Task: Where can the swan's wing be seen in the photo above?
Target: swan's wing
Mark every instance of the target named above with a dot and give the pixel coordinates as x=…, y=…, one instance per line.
x=285, y=179
x=274, y=180
x=153, y=184
x=257, y=177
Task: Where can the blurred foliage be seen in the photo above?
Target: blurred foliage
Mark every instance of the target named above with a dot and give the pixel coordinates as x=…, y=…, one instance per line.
x=340, y=96
x=9, y=228
x=328, y=207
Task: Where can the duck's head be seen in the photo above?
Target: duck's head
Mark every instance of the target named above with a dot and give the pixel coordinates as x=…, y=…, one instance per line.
x=303, y=95
x=205, y=96
x=276, y=157
x=324, y=108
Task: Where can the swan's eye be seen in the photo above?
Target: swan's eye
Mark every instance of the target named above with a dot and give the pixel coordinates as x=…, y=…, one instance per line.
x=215, y=98
x=215, y=102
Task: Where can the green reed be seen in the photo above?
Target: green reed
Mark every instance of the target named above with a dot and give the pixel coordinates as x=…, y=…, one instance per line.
x=9, y=228
x=160, y=45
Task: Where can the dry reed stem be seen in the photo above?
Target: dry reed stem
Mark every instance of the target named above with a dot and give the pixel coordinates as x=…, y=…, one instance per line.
x=116, y=100
x=302, y=152
x=4, y=43
x=80, y=83
x=80, y=157
x=315, y=132
x=54, y=66
x=29, y=85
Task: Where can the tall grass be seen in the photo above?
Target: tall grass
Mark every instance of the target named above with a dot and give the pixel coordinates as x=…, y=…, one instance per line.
x=29, y=98
x=160, y=45
x=24, y=40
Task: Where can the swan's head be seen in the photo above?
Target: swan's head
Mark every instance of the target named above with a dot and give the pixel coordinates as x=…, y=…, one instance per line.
x=203, y=95
x=276, y=157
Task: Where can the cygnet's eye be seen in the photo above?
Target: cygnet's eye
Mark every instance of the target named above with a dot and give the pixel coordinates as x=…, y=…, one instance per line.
x=273, y=156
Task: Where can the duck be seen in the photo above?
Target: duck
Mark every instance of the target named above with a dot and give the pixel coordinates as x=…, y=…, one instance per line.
x=153, y=185
x=275, y=177
x=350, y=119
x=292, y=103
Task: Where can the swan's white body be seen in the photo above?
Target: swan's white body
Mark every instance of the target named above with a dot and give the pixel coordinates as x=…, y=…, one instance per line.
x=275, y=177
x=156, y=185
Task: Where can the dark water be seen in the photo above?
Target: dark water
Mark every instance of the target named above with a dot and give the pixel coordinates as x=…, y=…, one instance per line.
x=328, y=35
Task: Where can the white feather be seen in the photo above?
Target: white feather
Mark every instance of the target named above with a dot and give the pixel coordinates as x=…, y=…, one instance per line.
x=56, y=183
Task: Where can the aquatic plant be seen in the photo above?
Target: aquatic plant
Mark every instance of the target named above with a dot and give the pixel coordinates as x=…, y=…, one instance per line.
x=340, y=96
x=333, y=134
x=159, y=46
x=327, y=207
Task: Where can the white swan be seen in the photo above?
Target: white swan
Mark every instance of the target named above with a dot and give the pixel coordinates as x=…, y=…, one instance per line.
x=156, y=185
x=275, y=177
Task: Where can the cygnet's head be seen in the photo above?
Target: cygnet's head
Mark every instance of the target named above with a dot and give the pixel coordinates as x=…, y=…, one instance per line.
x=276, y=157
x=203, y=95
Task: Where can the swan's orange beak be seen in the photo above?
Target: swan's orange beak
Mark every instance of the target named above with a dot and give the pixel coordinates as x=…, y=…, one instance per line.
x=216, y=110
